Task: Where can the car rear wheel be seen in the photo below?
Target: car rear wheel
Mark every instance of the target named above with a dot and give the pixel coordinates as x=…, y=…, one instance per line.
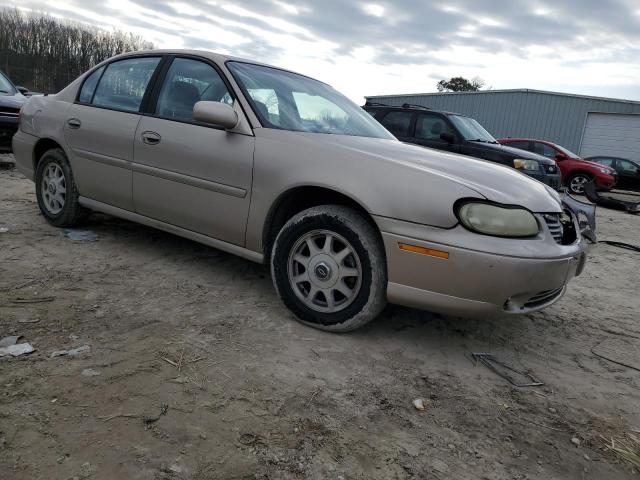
x=56, y=190
x=577, y=182
x=329, y=268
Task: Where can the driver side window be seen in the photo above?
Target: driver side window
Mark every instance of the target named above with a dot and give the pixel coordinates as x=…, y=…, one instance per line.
x=430, y=127
x=188, y=82
x=544, y=149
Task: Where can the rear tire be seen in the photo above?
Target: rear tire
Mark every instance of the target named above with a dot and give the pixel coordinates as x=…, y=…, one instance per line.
x=577, y=182
x=56, y=190
x=329, y=268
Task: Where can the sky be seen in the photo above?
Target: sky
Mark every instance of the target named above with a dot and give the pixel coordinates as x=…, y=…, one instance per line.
x=363, y=48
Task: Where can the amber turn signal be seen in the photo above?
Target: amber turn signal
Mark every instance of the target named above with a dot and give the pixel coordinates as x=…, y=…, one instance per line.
x=432, y=252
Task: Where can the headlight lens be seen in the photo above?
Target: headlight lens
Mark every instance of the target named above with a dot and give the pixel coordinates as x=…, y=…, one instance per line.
x=524, y=164
x=606, y=171
x=498, y=221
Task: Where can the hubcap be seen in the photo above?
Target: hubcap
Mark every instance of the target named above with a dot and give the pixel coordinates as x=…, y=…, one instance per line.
x=577, y=184
x=324, y=271
x=54, y=188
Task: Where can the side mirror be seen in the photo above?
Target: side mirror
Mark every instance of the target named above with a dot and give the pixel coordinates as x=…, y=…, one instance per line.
x=447, y=137
x=561, y=156
x=22, y=90
x=215, y=113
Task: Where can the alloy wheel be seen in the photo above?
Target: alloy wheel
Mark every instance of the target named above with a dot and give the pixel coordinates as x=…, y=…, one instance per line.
x=324, y=271
x=54, y=188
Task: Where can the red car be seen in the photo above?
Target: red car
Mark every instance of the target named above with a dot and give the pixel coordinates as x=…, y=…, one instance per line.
x=575, y=170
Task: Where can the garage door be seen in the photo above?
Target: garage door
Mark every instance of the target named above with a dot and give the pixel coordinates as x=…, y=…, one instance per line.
x=614, y=134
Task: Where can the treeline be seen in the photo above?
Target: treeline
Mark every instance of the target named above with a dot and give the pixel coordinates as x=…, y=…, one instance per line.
x=45, y=54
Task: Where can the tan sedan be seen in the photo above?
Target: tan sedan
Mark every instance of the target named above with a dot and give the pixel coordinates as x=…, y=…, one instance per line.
x=280, y=168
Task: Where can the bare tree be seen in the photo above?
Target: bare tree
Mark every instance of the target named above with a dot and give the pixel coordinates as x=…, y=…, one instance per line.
x=45, y=54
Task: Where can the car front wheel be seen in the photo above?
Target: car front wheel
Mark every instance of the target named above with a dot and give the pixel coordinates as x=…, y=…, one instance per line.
x=577, y=182
x=329, y=268
x=56, y=190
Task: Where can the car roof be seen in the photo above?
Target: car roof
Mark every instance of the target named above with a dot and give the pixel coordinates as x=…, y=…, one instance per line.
x=411, y=108
x=216, y=57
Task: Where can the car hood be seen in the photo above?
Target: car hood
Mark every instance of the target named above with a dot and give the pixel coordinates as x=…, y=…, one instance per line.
x=518, y=153
x=492, y=181
x=12, y=100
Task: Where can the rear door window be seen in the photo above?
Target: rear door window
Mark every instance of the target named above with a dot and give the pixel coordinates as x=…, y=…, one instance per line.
x=397, y=123
x=430, y=127
x=188, y=82
x=124, y=83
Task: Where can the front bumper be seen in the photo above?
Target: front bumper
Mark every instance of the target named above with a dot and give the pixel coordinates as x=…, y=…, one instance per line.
x=606, y=182
x=8, y=127
x=482, y=275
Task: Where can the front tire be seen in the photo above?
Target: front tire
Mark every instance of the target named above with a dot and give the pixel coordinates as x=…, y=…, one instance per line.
x=577, y=182
x=329, y=268
x=56, y=190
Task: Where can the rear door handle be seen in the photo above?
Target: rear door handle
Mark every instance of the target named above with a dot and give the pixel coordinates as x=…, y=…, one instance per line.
x=74, y=123
x=150, y=138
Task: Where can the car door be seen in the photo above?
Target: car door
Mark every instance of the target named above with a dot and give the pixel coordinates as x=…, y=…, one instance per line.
x=628, y=175
x=429, y=129
x=187, y=174
x=101, y=125
x=400, y=124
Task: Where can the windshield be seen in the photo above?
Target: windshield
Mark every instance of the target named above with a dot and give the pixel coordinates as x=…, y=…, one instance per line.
x=289, y=101
x=5, y=85
x=569, y=153
x=470, y=129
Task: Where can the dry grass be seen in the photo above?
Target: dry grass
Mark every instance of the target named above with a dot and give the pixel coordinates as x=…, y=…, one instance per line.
x=626, y=447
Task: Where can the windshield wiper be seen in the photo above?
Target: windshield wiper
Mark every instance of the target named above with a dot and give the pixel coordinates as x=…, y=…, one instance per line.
x=480, y=140
x=5, y=91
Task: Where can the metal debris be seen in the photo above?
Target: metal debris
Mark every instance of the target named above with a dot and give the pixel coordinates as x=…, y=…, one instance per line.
x=80, y=235
x=8, y=341
x=16, y=350
x=610, y=202
x=502, y=369
x=74, y=352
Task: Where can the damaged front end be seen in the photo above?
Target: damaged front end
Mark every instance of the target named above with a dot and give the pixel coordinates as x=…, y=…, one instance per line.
x=585, y=214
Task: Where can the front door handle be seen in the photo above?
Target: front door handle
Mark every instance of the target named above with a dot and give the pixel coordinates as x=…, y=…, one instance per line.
x=150, y=138
x=74, y=123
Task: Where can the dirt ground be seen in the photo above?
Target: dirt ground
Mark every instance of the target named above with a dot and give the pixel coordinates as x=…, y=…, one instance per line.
x=175, y=326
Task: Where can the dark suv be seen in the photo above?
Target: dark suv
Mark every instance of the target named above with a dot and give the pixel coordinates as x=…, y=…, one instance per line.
x=460, y=134
x=11, y=100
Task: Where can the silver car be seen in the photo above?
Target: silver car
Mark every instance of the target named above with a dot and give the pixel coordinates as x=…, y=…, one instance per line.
x=280, y=168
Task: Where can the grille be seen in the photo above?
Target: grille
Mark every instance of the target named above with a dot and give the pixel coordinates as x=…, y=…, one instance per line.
x=9, y=111
x=555, y=226
x=543, y=297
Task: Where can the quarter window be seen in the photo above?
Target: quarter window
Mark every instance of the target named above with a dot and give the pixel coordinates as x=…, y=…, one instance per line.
x=397, y=123
x=124, y=82
x=188, y=82
x=430, y=127
x=89, y=86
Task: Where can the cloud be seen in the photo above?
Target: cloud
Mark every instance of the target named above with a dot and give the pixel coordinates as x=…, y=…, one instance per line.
x=383, y=46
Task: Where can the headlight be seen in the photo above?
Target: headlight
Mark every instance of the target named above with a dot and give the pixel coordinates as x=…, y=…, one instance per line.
x=606, y=171
x=499, y=221
x=524, y=164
